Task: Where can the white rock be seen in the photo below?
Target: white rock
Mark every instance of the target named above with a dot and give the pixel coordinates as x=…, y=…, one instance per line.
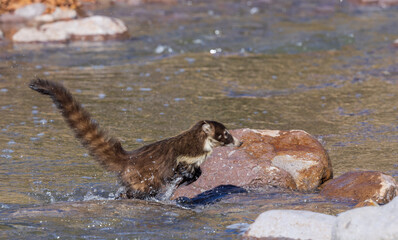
x=293, y=224
x=65, y=30
x=58, y=14
x=31, y=10
x=373, y=223
x=26, y=35
x=1, y=35
x=95, y=25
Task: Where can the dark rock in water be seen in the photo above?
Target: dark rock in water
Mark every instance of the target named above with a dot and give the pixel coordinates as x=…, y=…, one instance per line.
x=289, y=159
x=211, y=196
x=361, y=186
x=95, y=28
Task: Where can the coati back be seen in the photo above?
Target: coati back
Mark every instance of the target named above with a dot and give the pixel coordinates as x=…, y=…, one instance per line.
x=150, y=170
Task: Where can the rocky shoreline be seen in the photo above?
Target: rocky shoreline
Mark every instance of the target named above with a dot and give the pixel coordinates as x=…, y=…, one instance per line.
x=58, y=14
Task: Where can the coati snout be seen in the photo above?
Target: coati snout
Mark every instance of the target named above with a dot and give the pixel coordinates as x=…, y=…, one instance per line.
x=151, y=170
x=218, y=135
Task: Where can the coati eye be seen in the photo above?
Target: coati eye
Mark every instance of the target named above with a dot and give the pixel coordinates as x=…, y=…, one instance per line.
x=226, y=134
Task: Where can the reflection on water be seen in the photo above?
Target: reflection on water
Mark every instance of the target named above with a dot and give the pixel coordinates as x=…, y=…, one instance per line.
x=308, y=65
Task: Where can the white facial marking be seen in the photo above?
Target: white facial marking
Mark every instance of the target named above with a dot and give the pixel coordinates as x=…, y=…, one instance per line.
x=206, y=128
x=235, y=143
x=209, y=145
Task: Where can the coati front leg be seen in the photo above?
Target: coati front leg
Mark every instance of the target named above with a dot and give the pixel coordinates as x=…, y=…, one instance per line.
x=189, y=173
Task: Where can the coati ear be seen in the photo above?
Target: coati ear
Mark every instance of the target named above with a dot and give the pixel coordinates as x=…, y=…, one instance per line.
x=207, y=128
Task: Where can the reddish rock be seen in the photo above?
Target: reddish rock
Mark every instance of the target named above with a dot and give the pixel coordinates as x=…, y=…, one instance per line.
x=381, y=3
x=366, y=203
x=361, y=186
x=395, y=43
x=290, y=159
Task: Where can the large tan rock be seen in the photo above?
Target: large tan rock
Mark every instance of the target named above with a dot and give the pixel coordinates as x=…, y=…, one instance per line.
x=95, y=28
x=362, y=185
x=290, y=159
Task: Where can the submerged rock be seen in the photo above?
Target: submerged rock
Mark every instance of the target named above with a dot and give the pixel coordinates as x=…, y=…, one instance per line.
x=361, y=186
x=95, y=28
x=292, y=224
x=374, y=223
x=290, y=159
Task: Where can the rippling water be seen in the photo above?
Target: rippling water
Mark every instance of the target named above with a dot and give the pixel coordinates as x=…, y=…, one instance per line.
x=327, y=68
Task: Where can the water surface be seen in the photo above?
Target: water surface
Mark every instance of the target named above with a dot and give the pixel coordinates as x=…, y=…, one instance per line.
x=327, y=68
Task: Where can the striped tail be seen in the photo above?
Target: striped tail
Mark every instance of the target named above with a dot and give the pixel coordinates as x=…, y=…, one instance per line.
x=106, y=150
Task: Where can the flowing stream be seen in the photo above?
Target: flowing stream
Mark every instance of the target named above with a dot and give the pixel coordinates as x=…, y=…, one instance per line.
x=327, y=67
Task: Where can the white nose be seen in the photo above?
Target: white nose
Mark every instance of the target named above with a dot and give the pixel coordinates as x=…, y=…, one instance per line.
x=237, y=143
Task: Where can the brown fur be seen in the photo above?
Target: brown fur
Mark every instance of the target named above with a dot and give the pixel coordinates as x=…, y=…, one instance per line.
x=150, y=170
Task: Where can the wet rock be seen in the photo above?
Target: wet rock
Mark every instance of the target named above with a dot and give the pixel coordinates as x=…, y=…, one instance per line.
x=57, y=15
x=382, y=3
x=30, y=11
x=161, y=1
x=292, y=224
x=289, y=159
x=366, y=203
x=374, y=223
x=395, y=42
x=1, y=35
x=361, y=186
x=95, y=28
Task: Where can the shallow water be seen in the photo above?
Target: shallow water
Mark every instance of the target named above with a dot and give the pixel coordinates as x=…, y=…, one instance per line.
x=327, y=68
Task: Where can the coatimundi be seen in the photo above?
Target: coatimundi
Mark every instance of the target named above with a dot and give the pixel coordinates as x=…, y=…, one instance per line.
x=151, y=170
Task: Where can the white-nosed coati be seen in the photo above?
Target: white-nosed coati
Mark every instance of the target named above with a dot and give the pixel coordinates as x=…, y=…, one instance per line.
x=151, y=170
